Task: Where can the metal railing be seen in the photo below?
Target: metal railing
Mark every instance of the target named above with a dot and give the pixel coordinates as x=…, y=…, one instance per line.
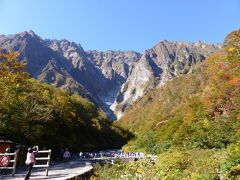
x=48, y=158
x=14, y=161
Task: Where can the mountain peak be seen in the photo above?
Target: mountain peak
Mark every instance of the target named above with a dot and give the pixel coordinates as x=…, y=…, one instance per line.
x=28, y=35
x=32, y=33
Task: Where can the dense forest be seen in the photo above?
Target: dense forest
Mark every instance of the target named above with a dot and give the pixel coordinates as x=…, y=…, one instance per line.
x=192, y=123
x=35, y=113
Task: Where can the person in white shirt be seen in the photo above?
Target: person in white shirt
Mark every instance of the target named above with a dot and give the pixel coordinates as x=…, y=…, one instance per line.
x=31, y=160
x=80, y=155
x=66, y=155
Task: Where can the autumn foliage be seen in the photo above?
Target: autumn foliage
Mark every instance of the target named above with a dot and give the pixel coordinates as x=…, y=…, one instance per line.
x=34, y=113
x=198, y=112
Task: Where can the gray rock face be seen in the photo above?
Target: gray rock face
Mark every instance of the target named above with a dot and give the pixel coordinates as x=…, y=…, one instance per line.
x=158, y=65
x=115, y=66
x=113, y=80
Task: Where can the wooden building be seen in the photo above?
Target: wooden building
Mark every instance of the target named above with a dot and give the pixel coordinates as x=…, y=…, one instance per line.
x=4, y=144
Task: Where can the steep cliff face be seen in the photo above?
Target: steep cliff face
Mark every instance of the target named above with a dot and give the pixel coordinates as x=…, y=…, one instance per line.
x=113, y=80
x=42, y=62
x=158, y=65
x=79, y=70
x=100, y=73
x=31, y=49
x=115, y=66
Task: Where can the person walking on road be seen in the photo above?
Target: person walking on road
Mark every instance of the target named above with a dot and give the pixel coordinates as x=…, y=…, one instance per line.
x=66, y=156
x=31, y=160
x=80, y=155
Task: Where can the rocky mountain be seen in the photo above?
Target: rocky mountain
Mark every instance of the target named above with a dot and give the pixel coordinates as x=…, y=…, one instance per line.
x=112, y=79
x=115, y=66
x=158, y=65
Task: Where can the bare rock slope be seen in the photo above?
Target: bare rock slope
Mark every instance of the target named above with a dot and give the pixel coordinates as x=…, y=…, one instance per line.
x=158, y=65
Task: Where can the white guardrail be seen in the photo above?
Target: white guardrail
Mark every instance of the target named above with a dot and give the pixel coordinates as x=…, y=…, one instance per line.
x=48, y=158
x=7, y=158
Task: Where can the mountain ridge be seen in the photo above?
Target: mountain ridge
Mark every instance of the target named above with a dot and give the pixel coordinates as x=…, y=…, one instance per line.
x=113, y=80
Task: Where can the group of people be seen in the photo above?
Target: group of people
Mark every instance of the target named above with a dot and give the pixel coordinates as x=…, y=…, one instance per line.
x=30, y=160
x=114, y=154
x=66, y=156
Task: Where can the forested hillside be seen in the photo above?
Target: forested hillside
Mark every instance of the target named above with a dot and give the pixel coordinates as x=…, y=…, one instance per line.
x=192, y=123
x=35, y=113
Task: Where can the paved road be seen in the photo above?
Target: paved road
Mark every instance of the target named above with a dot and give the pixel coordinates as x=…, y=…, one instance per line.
x=58, y=172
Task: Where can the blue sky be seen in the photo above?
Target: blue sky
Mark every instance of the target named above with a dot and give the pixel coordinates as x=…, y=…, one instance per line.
x=122, y=24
